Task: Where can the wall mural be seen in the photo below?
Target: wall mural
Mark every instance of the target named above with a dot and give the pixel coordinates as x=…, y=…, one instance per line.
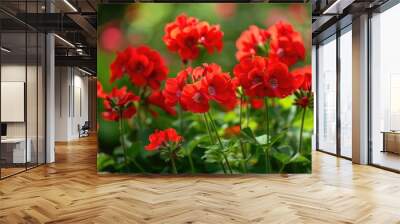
x=204, y=88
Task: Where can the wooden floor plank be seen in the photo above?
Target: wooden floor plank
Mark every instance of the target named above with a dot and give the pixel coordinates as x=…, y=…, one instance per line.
x=71, y=191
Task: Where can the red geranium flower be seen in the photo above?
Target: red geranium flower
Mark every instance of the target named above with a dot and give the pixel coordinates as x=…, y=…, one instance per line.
x=156, y=98
x=119, y=104
x=173, y=88
x=302, y=101
x=250, y=40
x=163, y=139
x=100, y=92
x=118, y=66
x=210, y=37
x=193, y=99
x=256, y=103
x=186, y=34
x=286, y=43
x=219, y=87
x=279, y=82
x=302, y=78
x=251, y=72
x=260, y=77
x=143, y=65
x=201, y=71
x=232, y=131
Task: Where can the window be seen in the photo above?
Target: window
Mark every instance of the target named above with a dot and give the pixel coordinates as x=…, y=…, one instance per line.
x=346, y=92
x=385, y=89
x=327, y=96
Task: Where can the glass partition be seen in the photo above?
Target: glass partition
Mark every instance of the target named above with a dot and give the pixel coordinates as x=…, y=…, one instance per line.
x=41, y=106
x=31, y=99
x=346, y=92
x=13, y=95
x=22, y=101
x=327, y=95
x=385, y=89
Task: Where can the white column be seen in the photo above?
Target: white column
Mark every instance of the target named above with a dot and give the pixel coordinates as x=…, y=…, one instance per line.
x=360, y=90
x=314, y=89
x=50, y=93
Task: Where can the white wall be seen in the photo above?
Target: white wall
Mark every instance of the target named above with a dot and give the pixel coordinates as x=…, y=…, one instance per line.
x=71, y=94
x=33, y=127
x=16, y=73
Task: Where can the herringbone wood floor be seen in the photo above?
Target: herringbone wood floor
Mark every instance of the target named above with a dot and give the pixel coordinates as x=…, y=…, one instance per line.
x=70, y=191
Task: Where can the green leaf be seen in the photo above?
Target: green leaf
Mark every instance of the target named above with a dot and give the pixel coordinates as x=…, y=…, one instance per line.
x=298, y=158
x=247, y=135
x=262, y=139
x=128, y=143
x=277, y=137
x=134, y=149
x=195, y=143
x=283, y=154
x=287, y=155
x=213, y=155
x=118, y=151
x=104, y=161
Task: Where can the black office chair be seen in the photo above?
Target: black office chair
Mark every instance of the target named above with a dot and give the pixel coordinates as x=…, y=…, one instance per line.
x=84, y=130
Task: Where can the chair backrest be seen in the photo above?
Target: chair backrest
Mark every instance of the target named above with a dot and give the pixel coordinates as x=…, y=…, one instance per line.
x=86, y=124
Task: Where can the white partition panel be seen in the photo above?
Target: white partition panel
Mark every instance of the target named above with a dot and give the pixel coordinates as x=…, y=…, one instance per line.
x=12, y=101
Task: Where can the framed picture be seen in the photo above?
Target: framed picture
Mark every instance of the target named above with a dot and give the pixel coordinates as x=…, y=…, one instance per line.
x=210, y=88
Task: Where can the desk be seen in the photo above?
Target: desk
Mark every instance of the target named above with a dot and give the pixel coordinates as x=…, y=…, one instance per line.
x=391, y=141
x=13, y=150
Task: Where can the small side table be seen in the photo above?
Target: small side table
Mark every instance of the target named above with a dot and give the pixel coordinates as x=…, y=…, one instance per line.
x=391, y=141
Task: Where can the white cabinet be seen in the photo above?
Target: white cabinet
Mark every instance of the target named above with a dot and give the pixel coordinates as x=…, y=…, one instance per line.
x=17, y=146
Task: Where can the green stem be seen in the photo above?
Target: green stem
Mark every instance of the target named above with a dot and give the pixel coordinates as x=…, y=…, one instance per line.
x=208, y=129
x=282, y=168
x=121, y=138
x=180, y=119
x=266, y=117
x=248, y=113
x=267, y=160
x=243, y=162
x=220, y=142
x=126, y=158
x=171, y=157
x=191, y=163
x=240, y=111
x=301, y=129
x=138, y=165
x=212, y=138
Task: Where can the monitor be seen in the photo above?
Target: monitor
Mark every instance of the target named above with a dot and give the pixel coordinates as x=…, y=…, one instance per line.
x=3, y=129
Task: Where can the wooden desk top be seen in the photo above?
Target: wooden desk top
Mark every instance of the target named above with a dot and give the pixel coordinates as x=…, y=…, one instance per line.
x=13, y=140
x=391, y=132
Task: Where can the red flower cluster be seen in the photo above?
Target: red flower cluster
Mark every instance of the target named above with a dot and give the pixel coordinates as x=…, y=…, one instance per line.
x=157, y=98
x=100, y=92
x=303, y=101
x=286, y=43
x=303, y=78
x=143, y=65
x=261, y=77
x=232, y=131
x=209, y=83
x=250, y=40
x=186, y=34
x=304, y=97
x=118, y=104
x=280, y=41
x=161, y=139
x=174, y=86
